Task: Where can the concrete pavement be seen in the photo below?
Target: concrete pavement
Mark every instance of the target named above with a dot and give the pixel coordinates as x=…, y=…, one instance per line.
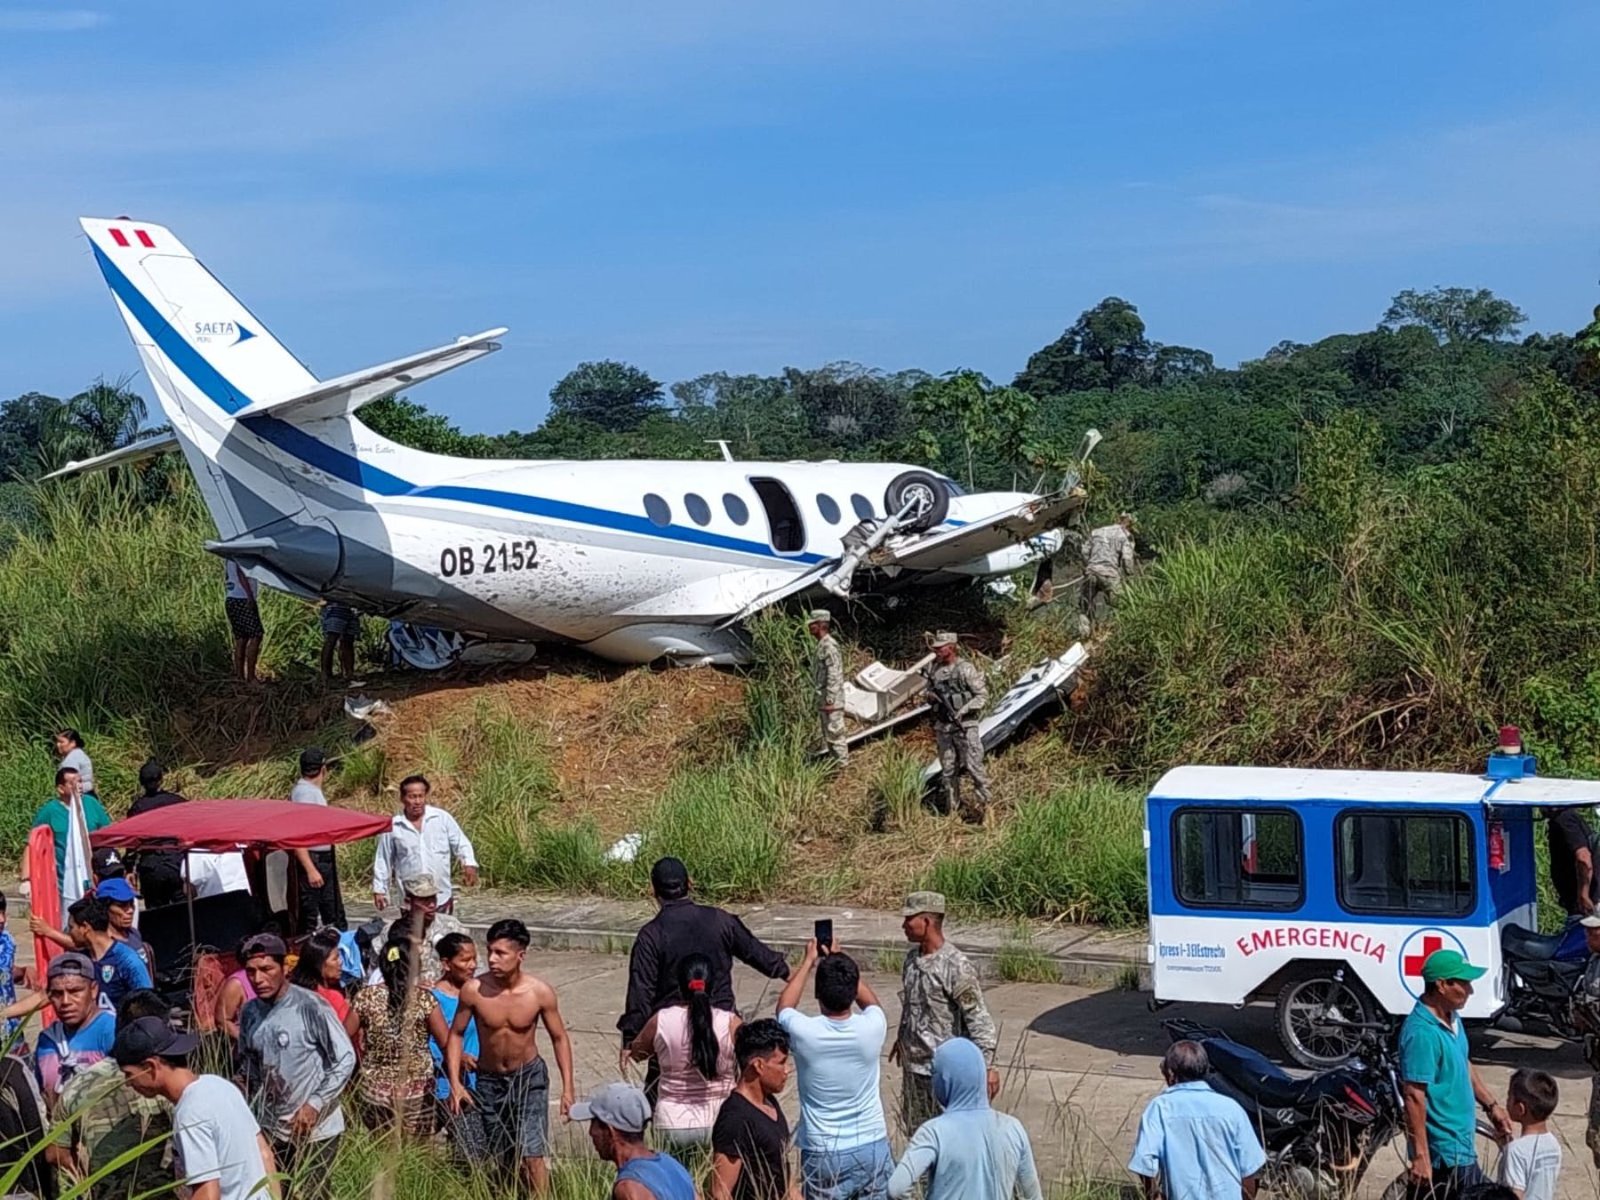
x=1077, y=953
x=1078, y=1064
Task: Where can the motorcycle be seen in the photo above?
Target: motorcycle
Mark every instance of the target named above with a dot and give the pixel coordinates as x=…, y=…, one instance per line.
x=1320, y=1132
x=1544, y=971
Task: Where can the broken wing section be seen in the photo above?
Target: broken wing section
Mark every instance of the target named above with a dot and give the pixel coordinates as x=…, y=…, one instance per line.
x=947, y=549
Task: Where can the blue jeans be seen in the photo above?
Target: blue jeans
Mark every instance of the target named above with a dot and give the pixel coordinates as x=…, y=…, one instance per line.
x=859, y=1173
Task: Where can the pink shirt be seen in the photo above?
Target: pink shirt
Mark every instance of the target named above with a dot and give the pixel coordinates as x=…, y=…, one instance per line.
x=688, y=1100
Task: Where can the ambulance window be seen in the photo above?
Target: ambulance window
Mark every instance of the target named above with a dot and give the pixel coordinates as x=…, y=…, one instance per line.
x=1405, y=863
x=1232, y=858
x=658, y=510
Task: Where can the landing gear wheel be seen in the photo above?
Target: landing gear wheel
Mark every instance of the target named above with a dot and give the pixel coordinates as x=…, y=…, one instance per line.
x=1310, y=1015
x=926, y=493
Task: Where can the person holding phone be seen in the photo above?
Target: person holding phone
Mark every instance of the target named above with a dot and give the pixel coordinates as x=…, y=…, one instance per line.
x=843, y=1136
x=680, y=929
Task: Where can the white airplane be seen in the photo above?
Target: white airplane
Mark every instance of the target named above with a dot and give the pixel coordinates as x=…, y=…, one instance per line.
x=633, y=561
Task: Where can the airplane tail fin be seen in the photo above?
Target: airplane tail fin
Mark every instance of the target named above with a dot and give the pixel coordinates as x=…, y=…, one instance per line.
x=208, y=358
x=253, y=423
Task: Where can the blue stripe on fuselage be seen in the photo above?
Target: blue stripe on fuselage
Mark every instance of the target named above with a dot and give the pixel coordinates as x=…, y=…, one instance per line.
x=351, y=469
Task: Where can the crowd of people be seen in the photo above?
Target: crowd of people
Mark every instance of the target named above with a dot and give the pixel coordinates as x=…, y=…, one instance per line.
x=416, y=1029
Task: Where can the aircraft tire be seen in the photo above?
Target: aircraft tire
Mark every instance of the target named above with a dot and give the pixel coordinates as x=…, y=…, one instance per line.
x=933, y=499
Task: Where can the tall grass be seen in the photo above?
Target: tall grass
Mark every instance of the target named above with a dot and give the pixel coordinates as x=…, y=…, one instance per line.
x=508, y=795
x=1077, y=854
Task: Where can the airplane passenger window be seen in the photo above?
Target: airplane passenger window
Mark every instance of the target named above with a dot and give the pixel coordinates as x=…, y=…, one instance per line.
x=862, y=505
x=658, y=510
x=699, y=511
x=738, y=512
x=828, y=507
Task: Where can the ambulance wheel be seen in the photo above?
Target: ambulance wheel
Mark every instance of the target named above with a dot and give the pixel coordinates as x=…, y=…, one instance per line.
x=1312, y=1016
x=926, y=493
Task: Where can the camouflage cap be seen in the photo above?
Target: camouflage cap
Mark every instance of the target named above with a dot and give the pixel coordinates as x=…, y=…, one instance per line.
x=943, y=638
x=923, y=902
x=820, y=616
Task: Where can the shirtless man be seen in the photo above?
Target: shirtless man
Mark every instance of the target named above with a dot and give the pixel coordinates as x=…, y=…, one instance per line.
x=513, y=1092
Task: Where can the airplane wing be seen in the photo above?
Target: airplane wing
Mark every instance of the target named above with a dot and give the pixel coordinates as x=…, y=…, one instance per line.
x=791, y=587
x=936, y=551
x=349, y=392
x=132, y=453
x=947, y=548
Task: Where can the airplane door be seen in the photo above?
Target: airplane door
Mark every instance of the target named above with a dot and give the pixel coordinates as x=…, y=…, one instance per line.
x=786, y=530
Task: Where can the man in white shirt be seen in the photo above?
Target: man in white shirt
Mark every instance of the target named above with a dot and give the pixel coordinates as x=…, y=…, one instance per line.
x=221, y=1152
x=422, y=840
x=843, y=1137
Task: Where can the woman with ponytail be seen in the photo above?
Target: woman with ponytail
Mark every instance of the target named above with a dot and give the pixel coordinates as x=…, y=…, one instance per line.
x=692, y=1043
x=395, y=1019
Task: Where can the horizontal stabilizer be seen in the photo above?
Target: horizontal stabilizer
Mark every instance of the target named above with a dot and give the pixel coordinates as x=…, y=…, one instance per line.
x=347, y=393
x=132, y=453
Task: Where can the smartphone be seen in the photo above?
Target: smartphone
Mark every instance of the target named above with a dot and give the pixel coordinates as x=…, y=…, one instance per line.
x=823, y=932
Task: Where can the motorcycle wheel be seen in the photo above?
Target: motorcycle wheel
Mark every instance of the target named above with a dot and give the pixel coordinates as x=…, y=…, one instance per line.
x=1304, y=1010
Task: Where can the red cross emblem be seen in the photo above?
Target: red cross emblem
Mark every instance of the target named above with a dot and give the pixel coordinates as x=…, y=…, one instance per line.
x=1413, y=962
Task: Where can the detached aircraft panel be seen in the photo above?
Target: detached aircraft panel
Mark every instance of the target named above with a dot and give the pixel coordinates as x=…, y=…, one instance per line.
x=952, y=547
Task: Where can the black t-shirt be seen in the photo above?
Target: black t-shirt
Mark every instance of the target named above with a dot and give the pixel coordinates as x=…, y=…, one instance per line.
x=157, y=862
x=1568, y=834
x=760, y=1144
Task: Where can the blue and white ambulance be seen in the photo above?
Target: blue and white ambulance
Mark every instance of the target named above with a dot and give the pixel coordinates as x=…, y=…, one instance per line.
x=1325, y=891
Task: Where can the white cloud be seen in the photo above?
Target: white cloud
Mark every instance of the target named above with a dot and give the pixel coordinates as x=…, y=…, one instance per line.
x=50, y=20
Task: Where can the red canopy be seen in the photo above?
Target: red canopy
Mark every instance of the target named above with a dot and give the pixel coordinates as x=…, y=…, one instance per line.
x=222, y=825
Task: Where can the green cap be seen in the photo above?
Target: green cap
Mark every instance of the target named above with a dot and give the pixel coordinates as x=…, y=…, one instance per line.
x=1449, y=964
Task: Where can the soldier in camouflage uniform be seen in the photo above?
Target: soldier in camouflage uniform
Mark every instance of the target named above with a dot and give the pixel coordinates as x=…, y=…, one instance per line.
x=99, y=1119
x=940, y=998
x=958, y=693
x=1107, y=562
x=1586, y=1016
x=827, y=677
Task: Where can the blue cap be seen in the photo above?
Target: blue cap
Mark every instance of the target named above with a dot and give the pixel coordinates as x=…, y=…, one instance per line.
x=119, y=891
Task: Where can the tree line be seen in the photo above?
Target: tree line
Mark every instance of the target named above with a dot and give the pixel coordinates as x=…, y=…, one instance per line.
x=1180, y=431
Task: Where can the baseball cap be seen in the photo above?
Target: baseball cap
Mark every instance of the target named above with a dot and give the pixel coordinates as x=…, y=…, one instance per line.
x=106, y=862
x=423, y=887
x=669, y=878
x=923, y=902
x=117, y=890
x=1449, y=964
x=312, y=758
x=820, y=614
x=258, y=944
x=70, y=962
x=150, y=1037
x=619, y=1105
x=943, y=638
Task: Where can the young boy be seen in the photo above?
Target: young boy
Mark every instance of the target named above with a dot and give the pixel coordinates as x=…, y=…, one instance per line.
x=1533, y=1160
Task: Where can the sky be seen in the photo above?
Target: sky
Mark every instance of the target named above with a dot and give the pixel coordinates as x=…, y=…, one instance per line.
x=714, y=185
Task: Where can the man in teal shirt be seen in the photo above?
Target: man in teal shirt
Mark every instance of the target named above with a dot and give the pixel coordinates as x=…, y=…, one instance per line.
x=57, y=814
x=1440, y=1083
